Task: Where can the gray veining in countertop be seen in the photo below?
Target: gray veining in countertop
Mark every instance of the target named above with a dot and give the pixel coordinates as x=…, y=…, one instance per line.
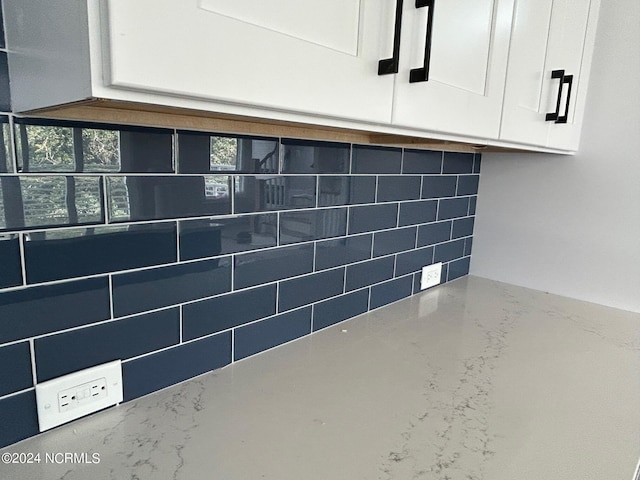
x=472, y=380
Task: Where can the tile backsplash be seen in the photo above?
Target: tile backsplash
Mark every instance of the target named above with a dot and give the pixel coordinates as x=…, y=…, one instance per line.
x=180, y=252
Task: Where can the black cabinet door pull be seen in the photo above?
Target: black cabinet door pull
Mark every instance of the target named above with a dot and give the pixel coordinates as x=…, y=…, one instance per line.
x=390, y=65
x=568, y=79
x=422, y=74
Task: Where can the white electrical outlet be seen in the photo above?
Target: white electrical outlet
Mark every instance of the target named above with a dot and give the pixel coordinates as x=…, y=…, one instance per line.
x=430, y=275
x=78, y=394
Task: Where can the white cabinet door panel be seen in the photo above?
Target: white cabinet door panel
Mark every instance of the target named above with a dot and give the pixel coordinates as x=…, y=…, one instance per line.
x=324, y=61
x=467, y=67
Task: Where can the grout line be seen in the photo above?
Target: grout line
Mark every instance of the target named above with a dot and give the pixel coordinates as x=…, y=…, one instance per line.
x=23, y=259
x=178, y=229
x=233, y=345
x=313, y=306
x=32, y=352
x=13, y=148
x=111, y=310
x=13, y=394
x=180, y=313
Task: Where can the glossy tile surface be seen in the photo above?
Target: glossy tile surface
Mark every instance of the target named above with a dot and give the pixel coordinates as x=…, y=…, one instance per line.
x=283, y=328
x=227, y=311
x=312, y=225
x=468, y=184
x=219, y=236
x=340, y=308
x=56, y=254
x=61, y=146
x=45, y=309
x=161, y=287
x=11, y=271
x=341, y=251
x=368, y=218
x=421, y=161
x=5, y=95
x=103, y=343
x=475, y=388
x=307, y=156
x=200, y=152
x=274, y=192
x=438, y=186
x=301, y=291
x=453, y=208
x=15, y=368
x=434, y=233
x=393, y=241
x=367, y=273
x=346, y=190
x=18, y=418
x=167, y=367
x=391, y=291
x=163, y=197
x=412, y=213
x=262, y=267
x=455, y=162
x=376, y=160
x=414, y=260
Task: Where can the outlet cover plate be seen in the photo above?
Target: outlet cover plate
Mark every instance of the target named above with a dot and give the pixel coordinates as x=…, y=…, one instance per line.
x=69, y=397
x=430, y=275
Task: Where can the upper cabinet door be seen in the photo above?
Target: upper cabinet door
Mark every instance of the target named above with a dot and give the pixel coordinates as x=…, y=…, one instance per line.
x=466, y=62
x=549, y=62
x=318, y=56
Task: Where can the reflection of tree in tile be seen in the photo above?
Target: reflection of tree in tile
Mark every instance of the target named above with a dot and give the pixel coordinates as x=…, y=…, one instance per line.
x=101, y=150
x=45, y=148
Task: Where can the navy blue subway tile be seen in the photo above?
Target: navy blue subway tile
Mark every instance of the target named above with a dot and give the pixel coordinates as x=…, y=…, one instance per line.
x=168, y=367
x=390, y=292
x=164, y=286
x=477, y=159
x=438, y=186
x=434, y=233
x=462, y=227
x=468, y=245
x=340, y=308
x=445, y=252
x=31, y=201
x=284, y=192
x=5, y=93
x=200, y=152
x=413, y=261
x=15, y=368
x=302, y=291
x=306, y=225
x=10, y=269
x=88, y=147
x=44, y=309
x=393, y=241
x=55, y=255
x=413, y=213
x=422, y=161
x=455, y=162
x=472, y=205
x=269, y=333
x=401, y=187
x=220, y=236
x=346, y=190
x=376, y=160
x=367, y=273
x=341, y=251
x=453, y=208
x=94, y=345
x=309, y=156
x=368, y=218
x=468, y=184
x=270, y=265
x=458, y=268
x=227, y=311
x=18, y=417
x=164, y=197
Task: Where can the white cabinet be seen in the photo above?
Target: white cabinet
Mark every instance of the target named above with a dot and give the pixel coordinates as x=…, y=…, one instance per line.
x=549, y=62
x=318, y=57
x=466, y=68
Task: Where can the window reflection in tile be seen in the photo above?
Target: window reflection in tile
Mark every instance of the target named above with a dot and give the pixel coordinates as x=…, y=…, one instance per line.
x=50, y=146
x=312, y=225
x=6, y=162
x=160, y=197
x=306, y=156
x=204, y=153
x=261, y=193
x=211, y=237
x=40, y=201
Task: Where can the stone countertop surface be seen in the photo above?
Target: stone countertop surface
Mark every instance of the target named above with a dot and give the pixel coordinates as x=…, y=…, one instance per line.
x=472, y=380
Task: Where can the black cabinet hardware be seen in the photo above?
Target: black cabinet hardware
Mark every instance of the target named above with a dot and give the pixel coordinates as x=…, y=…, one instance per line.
x=568, y=79
x=422, y=74
x=390, y=65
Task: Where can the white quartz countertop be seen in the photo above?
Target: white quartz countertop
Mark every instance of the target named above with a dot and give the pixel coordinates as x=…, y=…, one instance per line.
x=472, y=380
